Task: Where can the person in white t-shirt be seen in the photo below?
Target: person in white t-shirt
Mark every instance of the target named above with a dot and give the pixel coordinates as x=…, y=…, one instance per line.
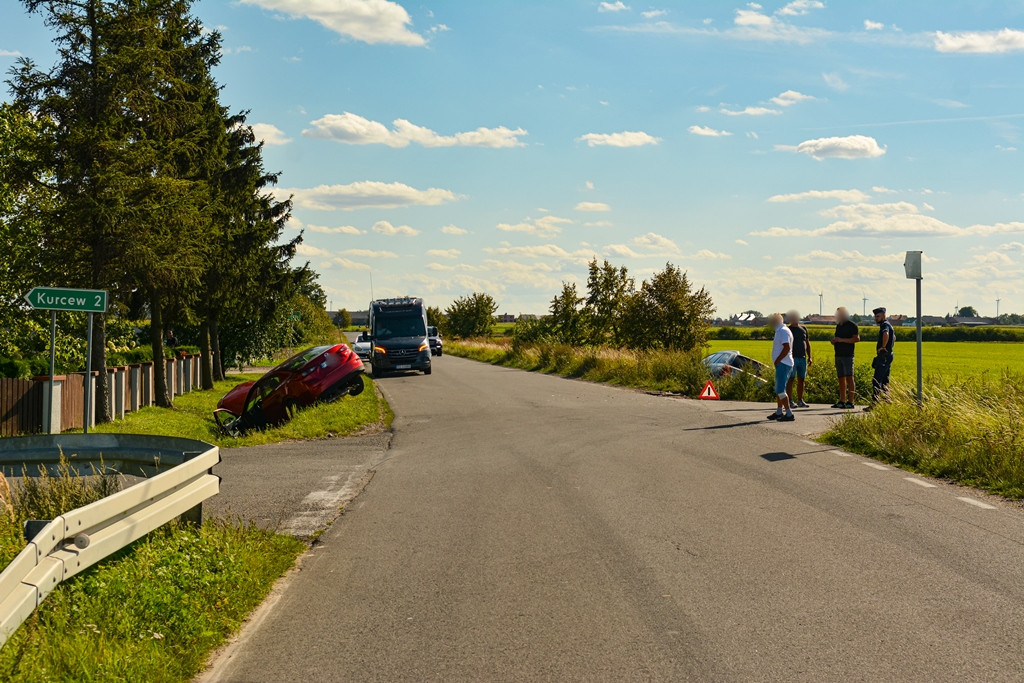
x=782, y=356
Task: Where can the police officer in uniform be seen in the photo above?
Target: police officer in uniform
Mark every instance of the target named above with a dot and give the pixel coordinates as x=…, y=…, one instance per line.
x=882, y=362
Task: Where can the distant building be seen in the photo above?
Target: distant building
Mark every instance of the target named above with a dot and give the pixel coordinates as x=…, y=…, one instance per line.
x=964, y=321
x=821, y=320
x=360, y=318
x=526, y=316
x=506, y=318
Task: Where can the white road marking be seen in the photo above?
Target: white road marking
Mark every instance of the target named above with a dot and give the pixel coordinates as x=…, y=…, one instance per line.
x=977, y=503
x=842, y=453
x=811, y=443
x=320, y=507
x=919, y=482
x=875, y=465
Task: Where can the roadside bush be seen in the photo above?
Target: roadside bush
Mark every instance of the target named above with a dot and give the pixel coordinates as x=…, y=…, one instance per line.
x=970, y=432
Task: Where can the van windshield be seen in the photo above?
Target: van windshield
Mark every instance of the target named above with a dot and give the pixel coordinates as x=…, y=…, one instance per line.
x=404, y=325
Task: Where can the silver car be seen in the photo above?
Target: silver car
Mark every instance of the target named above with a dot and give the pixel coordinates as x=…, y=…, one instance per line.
x=362, y=346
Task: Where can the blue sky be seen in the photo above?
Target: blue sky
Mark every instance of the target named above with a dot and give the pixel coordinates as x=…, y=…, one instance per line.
x=773, y=150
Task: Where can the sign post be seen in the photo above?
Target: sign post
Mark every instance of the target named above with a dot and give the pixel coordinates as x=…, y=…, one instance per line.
x=912, y=264
x=55, y=299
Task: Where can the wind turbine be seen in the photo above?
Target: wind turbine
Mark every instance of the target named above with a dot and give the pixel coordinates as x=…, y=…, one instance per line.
x=865, y=299
x=821, y=304
x=997, y=309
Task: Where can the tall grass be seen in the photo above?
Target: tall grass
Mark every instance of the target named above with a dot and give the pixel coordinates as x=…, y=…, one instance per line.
x=970, y=432
x=671, y=371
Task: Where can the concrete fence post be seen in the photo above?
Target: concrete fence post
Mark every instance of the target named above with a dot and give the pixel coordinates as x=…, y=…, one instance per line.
x=186, y=375
x=120, y=375
x=111, y=377
x=147, y=384
x=179, y=376
x=134, y=387
x=52, y=411
x=171, y=386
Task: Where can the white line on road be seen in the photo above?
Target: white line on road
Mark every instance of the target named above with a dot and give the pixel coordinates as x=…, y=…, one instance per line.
x=919, y=482
x=841, y=453
x=875, y=465
x=977, y=503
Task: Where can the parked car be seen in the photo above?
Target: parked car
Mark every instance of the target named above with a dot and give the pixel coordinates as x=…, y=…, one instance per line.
x=436, y=344
x=320, y=374
x=727, y=363
x=363, y=346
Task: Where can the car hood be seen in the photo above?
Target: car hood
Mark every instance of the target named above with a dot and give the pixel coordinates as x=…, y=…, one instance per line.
x=234, y=400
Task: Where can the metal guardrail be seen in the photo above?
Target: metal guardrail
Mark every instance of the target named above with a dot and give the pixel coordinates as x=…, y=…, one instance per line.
x=180, y=479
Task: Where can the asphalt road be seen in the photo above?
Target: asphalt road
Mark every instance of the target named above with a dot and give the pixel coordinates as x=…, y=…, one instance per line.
x=527, y=527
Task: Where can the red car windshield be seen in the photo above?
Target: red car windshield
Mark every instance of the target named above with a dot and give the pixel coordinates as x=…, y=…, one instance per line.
x=300, y=359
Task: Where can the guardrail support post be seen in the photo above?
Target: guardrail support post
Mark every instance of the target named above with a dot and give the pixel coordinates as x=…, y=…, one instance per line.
x=147, y=384
x=52, y=400
x=193, y=517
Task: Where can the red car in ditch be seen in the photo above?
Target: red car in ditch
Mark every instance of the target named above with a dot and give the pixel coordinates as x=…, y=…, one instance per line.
x=317, y=375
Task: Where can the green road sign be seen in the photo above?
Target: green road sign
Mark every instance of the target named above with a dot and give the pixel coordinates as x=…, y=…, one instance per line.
x=62, y=299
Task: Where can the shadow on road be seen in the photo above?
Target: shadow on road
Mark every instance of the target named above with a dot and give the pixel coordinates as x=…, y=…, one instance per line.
x=728, y=426
x=776, y=457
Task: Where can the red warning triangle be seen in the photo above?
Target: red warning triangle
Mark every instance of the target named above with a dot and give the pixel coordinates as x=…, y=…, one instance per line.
x=709, y=393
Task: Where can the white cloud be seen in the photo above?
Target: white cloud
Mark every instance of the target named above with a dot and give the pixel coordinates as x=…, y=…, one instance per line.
x=304, y=249
x=1004, y=148
x=798, y=7
x=752, y=135
x=369, y=21
x=889, y=220
x=707, y=131
x=337, y=230
x=349, y=263
x=648, y=245
x=542, y=251
x=708, y=255
x=995, y=258
x=881, y=189
x=9, y=53
x=752, y=24
x=841, y=195
x=439, y=266
x=654, y=13
x=790, y=97
x=589, y=185
x=617, y=6
x=454, y=230
x=835, y=81
x=386, y=228
x=353, y=129
x=628, y=138
x=366, y=194
x=598, y=224
x=873, y=25
x=593, y=206
x=749, y=111
x=849, y=255
x=545, y=226
x=269, y=134
x=1013, y=247
x=703, y=108
x=742, y=243
x=980, y=42
x=849, y=147
x=444, y=253
x=369, y=253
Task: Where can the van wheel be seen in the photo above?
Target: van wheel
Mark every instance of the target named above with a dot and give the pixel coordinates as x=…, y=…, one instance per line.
x=374, y=372
x=427, y=371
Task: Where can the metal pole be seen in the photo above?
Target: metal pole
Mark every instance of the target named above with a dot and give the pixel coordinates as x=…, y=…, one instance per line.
x=88, y=377
x=920, y=395
x=53, y=361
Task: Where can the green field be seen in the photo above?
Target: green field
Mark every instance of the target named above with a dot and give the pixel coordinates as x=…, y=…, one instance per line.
x=949, y=361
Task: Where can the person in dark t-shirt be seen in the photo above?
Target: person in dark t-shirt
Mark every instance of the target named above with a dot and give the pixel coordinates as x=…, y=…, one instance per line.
x=845, y=342
x=801, y=359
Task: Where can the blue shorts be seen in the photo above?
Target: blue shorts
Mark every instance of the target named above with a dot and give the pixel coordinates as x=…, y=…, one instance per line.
x=799, y=368
x=782, y=373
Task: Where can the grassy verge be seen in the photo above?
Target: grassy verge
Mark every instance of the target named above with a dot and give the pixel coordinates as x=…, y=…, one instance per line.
x=971, y=432
x=154, y=612
x=673, y=371
x=151, y=612
x=192, y=418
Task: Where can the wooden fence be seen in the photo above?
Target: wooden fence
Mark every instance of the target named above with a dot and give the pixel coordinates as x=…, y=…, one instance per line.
x=21, y=407
x=23, y=402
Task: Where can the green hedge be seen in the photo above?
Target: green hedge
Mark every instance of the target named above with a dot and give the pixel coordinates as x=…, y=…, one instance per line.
x=36, y=366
